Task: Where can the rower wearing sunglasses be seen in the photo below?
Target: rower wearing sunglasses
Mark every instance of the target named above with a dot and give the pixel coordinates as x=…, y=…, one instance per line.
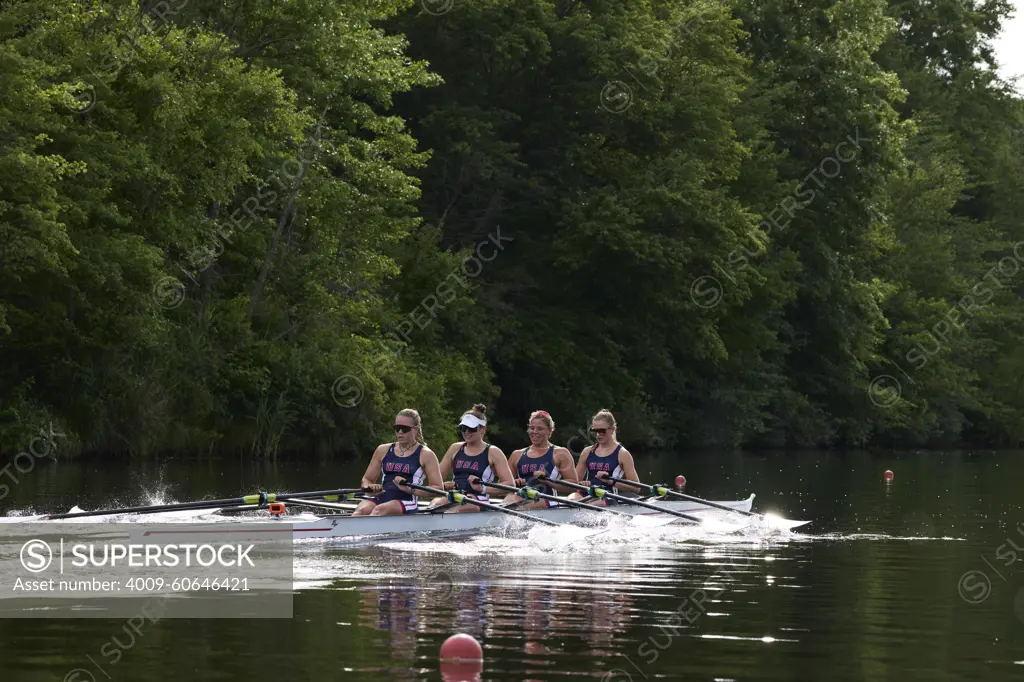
x=473, y=461
x=605, y=458
x=407, y=459
x=542, y=461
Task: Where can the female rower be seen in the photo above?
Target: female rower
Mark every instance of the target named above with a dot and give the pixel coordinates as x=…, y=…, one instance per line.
x=605, y=458
x=473, y=460
x=541, y=457
x=408, y=459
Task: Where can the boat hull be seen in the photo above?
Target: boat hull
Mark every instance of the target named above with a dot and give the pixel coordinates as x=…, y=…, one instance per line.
x=335, y=526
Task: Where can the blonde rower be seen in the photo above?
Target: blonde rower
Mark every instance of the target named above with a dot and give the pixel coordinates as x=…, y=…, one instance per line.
x=408, y=459
x=605, y=458
x=528, y=463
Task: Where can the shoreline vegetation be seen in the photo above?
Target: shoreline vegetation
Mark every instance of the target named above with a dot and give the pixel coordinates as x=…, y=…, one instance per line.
x=264, y=228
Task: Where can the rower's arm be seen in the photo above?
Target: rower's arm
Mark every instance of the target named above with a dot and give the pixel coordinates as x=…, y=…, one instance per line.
x=502, y=470
x=581, y=467
x=563, y=460
x=447, y=462
x=428, y=460
x=628, y=468
x=372, y=475
x=513, y=460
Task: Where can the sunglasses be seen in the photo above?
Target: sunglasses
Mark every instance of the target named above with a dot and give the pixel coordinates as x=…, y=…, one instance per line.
x=468, y=429
x=402, y=428
x=599, y=432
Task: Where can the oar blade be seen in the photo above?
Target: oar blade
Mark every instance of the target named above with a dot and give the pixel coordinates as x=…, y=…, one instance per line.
x=654, y=521
x=706, y=523
x=767, y=523
x=719, y=526
x=780, y=523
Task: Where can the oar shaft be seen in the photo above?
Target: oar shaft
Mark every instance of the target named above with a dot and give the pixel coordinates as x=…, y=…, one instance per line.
x=320, y=505
x=534, y=494
x=460, y=498
x=259, y=498
x=662, y=491
x=601, y=492
x=153, y=509
x=326, y=494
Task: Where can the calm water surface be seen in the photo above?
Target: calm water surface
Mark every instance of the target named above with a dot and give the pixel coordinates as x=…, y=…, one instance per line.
x=890, y=582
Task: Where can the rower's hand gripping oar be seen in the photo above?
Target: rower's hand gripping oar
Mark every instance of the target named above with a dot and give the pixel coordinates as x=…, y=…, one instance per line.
x=257, y=499
x=459, y=498
x=663, y=491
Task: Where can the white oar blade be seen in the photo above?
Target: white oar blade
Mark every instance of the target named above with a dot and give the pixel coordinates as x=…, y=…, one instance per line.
x=771, y=522
x=786, y=524
x=709, y=524
x=719, y=526
x=654, y=521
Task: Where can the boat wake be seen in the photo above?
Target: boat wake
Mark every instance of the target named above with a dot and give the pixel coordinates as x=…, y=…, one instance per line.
x=842, y=537
x=601, y=535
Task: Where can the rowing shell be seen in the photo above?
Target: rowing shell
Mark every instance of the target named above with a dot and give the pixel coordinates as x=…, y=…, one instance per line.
x=337, y=526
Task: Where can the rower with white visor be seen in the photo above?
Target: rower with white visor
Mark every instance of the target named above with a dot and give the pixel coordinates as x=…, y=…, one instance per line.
x=472, y=462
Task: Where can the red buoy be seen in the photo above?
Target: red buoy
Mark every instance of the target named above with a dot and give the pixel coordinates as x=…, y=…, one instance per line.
x=462, y=659
x=461, y=671
x=461, y=647
x=680, y=481
x=888, y=475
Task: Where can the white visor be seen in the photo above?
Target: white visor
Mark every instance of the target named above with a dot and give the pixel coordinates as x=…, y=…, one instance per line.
x=472, y=420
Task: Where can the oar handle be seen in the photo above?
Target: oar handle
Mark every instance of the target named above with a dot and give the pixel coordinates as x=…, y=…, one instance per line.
x=525, y=492
x=663, y=491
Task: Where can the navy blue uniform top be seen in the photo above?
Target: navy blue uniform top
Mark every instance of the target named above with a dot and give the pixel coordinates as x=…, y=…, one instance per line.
x=609, y=463
x=465, y=465
x=407, y=467
x=546, y=463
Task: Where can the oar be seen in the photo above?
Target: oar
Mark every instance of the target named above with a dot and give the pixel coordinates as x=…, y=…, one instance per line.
x=321, y=505
x=663, y=491
x=459, y=498
x=534, y=494
x=601, y=492
x=300, y=503
x=258, y=499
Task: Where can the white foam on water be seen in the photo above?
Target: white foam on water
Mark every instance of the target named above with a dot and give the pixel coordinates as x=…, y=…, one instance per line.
x=615, y=534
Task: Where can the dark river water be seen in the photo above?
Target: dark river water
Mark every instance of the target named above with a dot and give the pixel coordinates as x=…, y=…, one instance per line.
x=913, y=580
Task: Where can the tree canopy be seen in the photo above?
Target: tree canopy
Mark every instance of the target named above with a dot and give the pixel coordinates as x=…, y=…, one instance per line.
x=267, y=226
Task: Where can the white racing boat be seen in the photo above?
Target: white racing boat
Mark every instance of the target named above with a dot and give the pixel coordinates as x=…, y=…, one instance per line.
x=343, y=525
x=661, y=508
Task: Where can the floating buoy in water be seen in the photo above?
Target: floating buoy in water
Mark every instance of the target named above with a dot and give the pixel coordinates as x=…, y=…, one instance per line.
x=680, y=481
x=462, y=659
x=461, y=671
x=461, y=647
x=888, y=475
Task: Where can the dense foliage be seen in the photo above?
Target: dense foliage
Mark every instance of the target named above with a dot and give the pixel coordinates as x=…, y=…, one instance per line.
x=267, y=226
